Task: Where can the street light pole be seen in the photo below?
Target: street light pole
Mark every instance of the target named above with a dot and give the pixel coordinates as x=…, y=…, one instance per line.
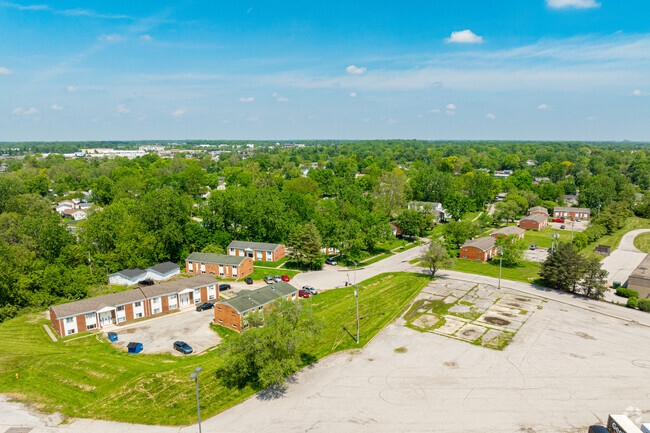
x=195, y=376
x=572, y=224
x=356, y=293
x=500, y=261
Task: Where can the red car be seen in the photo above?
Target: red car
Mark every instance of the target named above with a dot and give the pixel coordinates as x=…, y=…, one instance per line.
x=558, y=220
x=303, y=294
x=285, y=278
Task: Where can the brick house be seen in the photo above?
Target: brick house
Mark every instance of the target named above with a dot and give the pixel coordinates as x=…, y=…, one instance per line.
x=572, y=212
x=509, y=231
x=481, y=249
x=221, y=265
x=231, y=313
x=257, y=250
x=123, y=307
x=538, y=210
x=534, y=222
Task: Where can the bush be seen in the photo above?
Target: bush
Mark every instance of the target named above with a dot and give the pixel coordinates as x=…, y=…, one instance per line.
x=627, y=293
x=632, y=302
x=595, y=232
x=644, y=304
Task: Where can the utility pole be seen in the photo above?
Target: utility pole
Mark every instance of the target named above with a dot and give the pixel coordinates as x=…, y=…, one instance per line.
x=356, y=293
x=90, y=263
x=500, y=262
x=572, y=224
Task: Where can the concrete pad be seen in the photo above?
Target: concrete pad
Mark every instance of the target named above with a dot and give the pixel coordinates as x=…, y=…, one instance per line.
x=452, y=324
x=460, y=308
x=426, y=321
x=470, y=332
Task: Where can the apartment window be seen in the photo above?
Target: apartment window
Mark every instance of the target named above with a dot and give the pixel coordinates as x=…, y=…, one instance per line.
x=155, y=300
x=156, y=310
x=93, y=326
x=233, y=313
x=220, y=321
x=72, y=331
x=69, y=319
x=138, y=315
x=211, y=297
x=219, y=308
x=120, y=308
x=90, y=316
x=121, y=319
x=234, y=326
x=138, y=304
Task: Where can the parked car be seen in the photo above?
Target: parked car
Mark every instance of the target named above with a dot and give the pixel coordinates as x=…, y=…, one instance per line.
x=533, y=247
x=249, y=280
x=269, y=279
x=578, y=219
x=330, y=261
x=146, y=283
x=277, y=278
x=558, y=220
x=285, y=278
x=562, y=227
x=223, y=287
x=550, y=250
x=303, y=293
x=182, y=347
x=205, y=306
x=310, y=289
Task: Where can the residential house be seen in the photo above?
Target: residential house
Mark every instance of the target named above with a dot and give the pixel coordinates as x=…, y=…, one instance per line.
x=231, y=313
x=509, y=231
x=395, y=228
x=571, y=212
x=503, y=174
x=538, y=210
x=127, y=277
x=76, y=214
x=122, y=307
x=571, y=199
x=481, y=249
x=433, y=208
x=257, y=250
x=534, y=222
x=221, y=265
x=531, y=163
x=163, y=271
x=330, y=250
x=639, y=279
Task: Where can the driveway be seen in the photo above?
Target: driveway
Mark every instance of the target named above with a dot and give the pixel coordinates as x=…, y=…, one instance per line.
x=624, y=260
x=158, y=335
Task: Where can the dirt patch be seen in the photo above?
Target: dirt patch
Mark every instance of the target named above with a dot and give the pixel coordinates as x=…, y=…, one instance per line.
x=496, y=321
x=514, y=305
x=401, y=350
x=522, y=299
x=585, y=336
x=450, y=364
x=130, y=331
x=575, y=355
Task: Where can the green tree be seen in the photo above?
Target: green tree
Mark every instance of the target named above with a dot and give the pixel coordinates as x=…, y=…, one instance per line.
x=390, y=193
x=305, y=244
x=594, y=279
x=456, y=233
x=457, y=204
x=563, y=268
x=412, y=222
x=265, y=356
x=506, y=210
x=513, y=249
x=213, y=249
x=436, y=257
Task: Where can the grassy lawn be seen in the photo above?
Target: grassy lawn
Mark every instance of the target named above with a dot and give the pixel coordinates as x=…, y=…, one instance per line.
x=614, y=239
x=470, y=216
x=542, y=238
x=271, y=264
x=408, y=247
x=390, y=245
x=376, y=259
x=90, y=378
x=526, y=272
x=642, y=242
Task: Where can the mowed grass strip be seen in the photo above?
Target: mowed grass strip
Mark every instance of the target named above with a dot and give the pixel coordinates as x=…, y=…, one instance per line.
x=642, y=242
x=90, y=378
x=526, y=272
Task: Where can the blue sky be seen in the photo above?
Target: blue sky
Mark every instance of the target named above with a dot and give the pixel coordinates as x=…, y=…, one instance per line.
x=525, y=69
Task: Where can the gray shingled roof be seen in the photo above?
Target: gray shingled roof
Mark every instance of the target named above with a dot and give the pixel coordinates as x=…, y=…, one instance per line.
x=538, y=209
x=217, y=259
x=176, y=286
x=484, y=244
x=571, y=209
x=247, y=300
x=97, y=303
x=508, y=231
x=258, y=246
x=131, y=273
x=536, y=217
x=163, y=268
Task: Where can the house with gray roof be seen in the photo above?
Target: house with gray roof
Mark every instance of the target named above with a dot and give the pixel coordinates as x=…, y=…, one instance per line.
x=127, y=277
x=481, y=249
x=163, y=271
x=219, y=265
x=231, y=313
x=105, y=311
x=260, y=251
x=508, y=231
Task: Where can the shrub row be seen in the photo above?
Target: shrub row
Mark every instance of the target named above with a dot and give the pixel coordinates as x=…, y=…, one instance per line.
x=632, y=302
x=644, y=304
x=627, y=293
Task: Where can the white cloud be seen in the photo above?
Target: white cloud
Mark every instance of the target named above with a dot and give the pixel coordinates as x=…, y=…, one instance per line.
x=490, y=116
x=123, y=109
x=434, y=110
x=355, y=70
x=178, y=112
x=464, y=37
x=282, y=99
x=449, y=113
x=5, y=71
x=253, y=119
x=72, y=88
x=542, y=107
x=96, y=119
x=574, y=4
x=56, y=107
x=110, y=38
x=637, y=92
x=353, y=94
x=246, y=99
x=146, y=37
x=450, y=107
x=20, y=111
x=391, y=121
x=366, y=119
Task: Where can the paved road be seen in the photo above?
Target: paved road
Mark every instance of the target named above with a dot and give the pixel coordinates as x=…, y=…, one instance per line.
x=624, y=259
x=561, y=372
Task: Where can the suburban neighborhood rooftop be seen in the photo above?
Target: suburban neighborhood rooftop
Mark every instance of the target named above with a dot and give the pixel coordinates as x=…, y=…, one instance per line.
x=538, y=209
x=484, y=243
x=131, y=272
x=163, y=268
x=253, y=245
x=571, y=209
x=508, y=231
x=217, y=259
x=177, y=285
x=535, y=217
x=248, y=300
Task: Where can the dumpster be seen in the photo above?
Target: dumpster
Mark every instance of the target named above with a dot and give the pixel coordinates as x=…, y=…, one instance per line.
x=616, y=284
x=134, y=347
x=112, y=336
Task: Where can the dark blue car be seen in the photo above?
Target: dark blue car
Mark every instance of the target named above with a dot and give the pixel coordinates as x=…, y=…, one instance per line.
x=182, y=347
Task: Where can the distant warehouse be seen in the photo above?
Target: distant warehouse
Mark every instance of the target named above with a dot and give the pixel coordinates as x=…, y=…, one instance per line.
x=639, y=280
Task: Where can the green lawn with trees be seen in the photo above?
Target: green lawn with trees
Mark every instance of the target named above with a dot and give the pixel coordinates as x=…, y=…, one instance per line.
x=527, y=272
x=89, y=378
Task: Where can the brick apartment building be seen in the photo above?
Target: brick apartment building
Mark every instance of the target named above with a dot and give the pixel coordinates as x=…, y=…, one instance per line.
x=257, y=250
x=509, y=231
x=219, y=265
x=534, y=222
x=538, y=210
x=481, y=249
x=572, y=212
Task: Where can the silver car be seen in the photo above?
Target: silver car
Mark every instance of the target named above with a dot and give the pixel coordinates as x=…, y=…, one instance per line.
x=310, y=289
x=277, y=278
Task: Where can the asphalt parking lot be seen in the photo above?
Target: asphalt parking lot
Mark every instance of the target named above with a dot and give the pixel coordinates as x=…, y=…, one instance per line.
x=158, y=335
x=537, y=255
x=578, y=226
